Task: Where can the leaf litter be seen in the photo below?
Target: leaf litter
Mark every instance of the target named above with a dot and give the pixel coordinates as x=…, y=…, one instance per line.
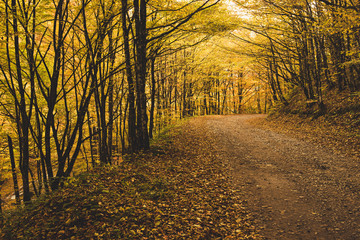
x=178, y=190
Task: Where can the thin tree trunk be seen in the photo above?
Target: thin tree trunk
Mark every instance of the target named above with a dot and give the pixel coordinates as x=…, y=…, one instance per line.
x=133, y=140
x=152, y=99
x=13, y=170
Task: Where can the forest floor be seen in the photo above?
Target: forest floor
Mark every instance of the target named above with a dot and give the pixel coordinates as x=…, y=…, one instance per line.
x=213, y=177
x=178, y=190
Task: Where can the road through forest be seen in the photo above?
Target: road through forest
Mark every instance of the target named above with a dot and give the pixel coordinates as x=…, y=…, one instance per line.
x=294, y=189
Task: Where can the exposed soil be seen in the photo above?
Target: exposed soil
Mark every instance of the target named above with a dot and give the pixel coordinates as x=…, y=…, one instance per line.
x=295, y=189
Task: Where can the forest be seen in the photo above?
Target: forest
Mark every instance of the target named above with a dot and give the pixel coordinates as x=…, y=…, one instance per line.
x=84, y=82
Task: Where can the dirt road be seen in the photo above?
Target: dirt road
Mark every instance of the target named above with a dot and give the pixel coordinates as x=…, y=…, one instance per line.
x=295, y=189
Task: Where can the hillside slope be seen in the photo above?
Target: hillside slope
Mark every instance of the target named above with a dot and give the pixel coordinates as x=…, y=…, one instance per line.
x=337, y=126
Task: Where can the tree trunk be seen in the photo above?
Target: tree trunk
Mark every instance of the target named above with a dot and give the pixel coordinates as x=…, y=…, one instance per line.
x=153, y=92
x=13, y=170
x=133, y=141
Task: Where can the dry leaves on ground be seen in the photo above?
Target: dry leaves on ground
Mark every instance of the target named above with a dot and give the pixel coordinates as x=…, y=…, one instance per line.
x=176, y=191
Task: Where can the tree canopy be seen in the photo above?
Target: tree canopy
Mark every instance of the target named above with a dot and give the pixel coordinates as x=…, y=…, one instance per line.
x=85, y=81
